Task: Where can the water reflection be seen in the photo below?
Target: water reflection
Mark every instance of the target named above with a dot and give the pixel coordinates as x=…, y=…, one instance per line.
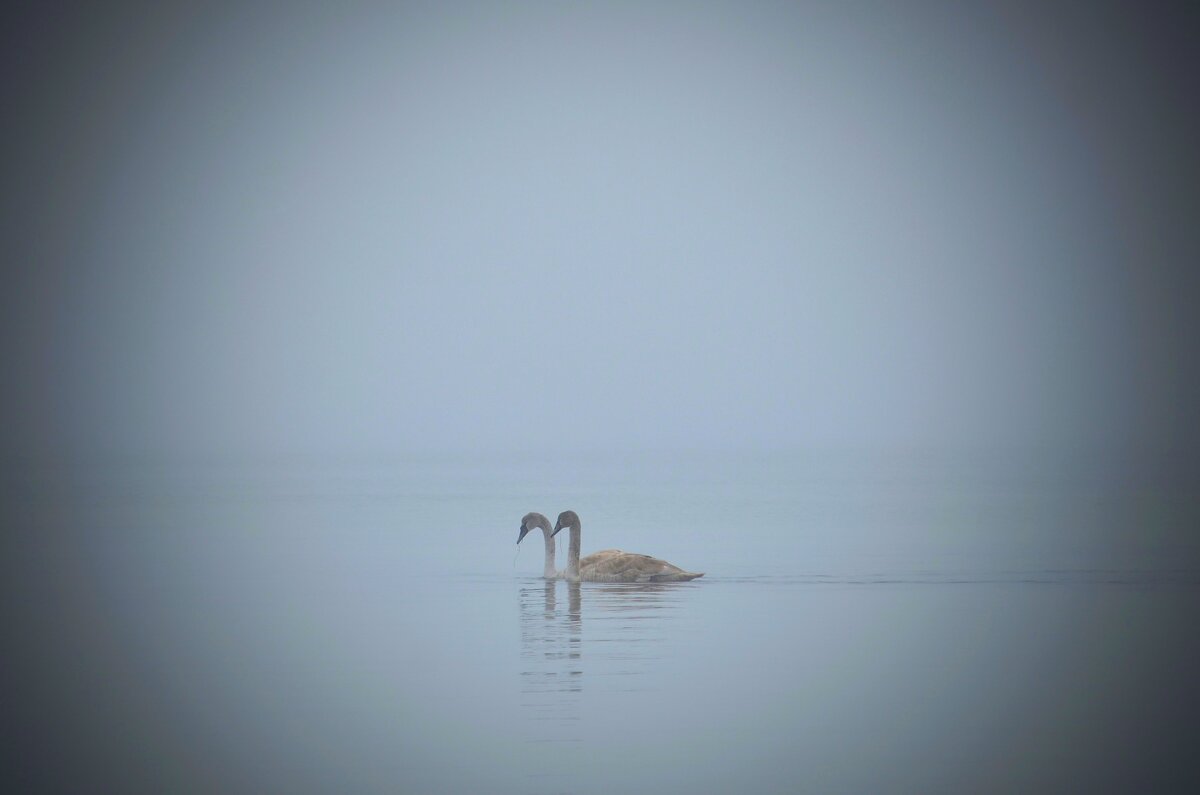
x=551, y=683
x=602, y=641
x=550, y=643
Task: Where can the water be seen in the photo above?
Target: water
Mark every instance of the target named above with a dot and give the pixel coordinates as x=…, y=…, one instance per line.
x=866, y=624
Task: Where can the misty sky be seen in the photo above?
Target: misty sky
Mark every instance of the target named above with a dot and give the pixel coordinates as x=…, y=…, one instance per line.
x=598, y=225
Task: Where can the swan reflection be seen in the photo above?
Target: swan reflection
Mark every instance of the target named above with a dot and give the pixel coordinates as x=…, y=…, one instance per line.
x=550, y=650
x=583, y=655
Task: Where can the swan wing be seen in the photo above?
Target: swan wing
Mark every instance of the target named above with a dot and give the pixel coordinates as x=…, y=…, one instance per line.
x=614, y=565
x=596, y=558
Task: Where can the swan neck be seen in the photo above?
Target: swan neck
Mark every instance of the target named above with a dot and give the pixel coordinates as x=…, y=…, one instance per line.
x=548, y=570
x=573, y=553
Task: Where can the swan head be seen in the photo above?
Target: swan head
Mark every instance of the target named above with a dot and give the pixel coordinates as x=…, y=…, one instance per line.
x=532, y=520
x=566, y=519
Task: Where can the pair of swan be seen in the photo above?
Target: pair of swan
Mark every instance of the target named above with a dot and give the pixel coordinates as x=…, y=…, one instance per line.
x=607, y=565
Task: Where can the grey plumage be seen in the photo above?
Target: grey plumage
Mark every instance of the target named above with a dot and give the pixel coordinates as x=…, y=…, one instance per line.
x=530, y=521
x=615, y=565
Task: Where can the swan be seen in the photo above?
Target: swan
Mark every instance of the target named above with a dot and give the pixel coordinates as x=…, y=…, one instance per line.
x=613, y=565
x=532, y=520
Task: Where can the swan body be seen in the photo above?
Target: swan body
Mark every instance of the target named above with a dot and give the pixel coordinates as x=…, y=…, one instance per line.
x=615, y=565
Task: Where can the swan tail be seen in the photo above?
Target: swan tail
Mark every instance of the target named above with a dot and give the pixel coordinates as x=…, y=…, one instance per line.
x=675, y=576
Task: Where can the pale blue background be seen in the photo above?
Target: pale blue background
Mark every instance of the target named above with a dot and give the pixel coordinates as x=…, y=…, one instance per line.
x=879, y=313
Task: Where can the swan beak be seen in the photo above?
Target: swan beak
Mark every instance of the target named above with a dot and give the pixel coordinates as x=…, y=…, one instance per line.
x=557, y=526
x=524, y=530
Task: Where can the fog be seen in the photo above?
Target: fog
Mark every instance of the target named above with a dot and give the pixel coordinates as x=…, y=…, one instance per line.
x=879, y=314
x=565, y=227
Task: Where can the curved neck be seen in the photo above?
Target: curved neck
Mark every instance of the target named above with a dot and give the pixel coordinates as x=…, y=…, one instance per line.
x=573, y=553
x=548, y=569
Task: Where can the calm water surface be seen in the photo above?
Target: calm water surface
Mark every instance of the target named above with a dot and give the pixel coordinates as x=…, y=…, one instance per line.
x=897, y=626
